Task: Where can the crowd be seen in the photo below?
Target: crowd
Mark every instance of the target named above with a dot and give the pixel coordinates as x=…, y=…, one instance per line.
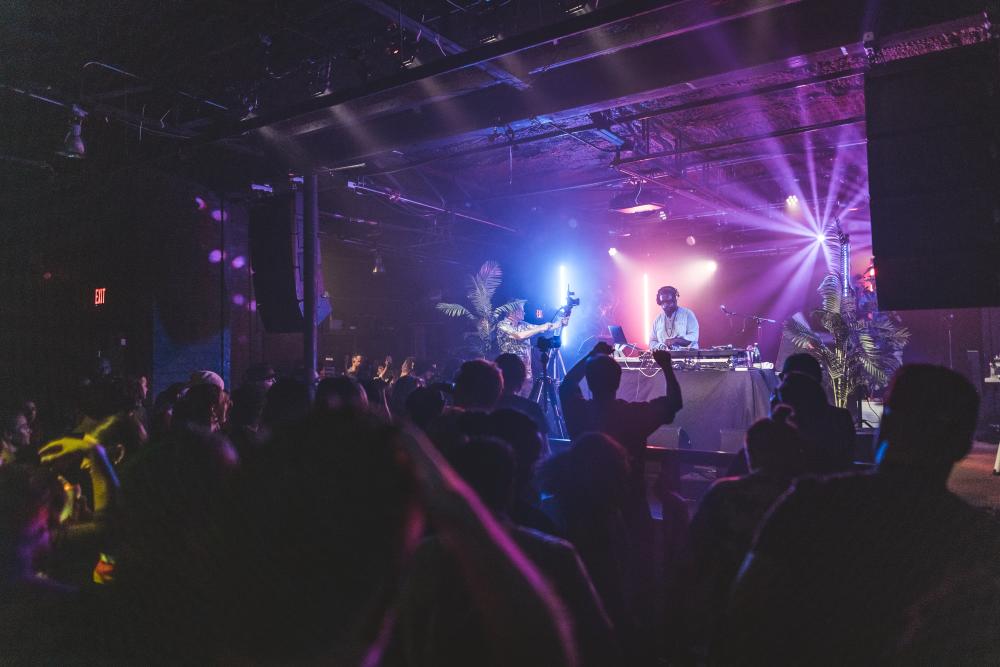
x=389, y=518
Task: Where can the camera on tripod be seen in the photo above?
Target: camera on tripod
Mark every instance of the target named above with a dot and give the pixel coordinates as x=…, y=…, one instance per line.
x=547, y=344
x=571, y=302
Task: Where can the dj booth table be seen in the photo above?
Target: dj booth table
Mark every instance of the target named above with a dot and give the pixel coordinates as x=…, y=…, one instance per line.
x=719, y=405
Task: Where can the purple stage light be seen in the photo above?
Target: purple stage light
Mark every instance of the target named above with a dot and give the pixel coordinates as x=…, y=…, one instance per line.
x=612, y=251
x=215, y=256
x=239, y=262
x=239, y=299
x=219, y=216
x=200, y=203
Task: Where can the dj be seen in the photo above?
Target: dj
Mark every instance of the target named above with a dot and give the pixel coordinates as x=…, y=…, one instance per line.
x=676, y=327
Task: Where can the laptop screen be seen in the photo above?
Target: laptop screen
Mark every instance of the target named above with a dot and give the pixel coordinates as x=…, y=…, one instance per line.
x=617, y=335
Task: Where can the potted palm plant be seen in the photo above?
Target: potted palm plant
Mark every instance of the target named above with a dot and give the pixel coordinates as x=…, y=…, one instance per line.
x=481, y=287
x=862, y=349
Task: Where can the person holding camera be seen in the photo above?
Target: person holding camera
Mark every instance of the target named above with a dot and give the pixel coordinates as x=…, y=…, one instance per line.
x=514, y=336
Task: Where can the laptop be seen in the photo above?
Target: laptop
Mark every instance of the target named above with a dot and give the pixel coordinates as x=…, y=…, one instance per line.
x=618, y=335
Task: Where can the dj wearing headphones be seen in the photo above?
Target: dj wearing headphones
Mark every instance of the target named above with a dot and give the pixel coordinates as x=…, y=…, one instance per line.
x=676, y=327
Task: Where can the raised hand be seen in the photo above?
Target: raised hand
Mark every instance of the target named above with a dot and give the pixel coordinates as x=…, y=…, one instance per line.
x=66, y=447
x=662, y=358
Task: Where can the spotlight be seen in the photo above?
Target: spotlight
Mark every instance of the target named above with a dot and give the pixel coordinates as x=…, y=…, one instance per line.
x=820, y=237
x=612, y=251
x=663, y=214
x=792, y=201
x=712, y=266
x=379, y=268
x=73, y=146
x=690, y=240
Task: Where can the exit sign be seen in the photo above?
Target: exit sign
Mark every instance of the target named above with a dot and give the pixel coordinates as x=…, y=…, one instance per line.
x=99, y=296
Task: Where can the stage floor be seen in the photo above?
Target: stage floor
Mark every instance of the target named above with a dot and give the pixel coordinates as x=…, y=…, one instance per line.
x=973, y=478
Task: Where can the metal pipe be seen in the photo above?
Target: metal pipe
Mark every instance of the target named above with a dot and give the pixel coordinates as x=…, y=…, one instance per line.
x=119, y=70
x=396, y=197
x=741, y=140
x=310, y=245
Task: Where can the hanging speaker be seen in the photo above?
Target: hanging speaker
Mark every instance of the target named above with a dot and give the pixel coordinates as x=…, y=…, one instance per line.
x=276, y=260
x=934, y=178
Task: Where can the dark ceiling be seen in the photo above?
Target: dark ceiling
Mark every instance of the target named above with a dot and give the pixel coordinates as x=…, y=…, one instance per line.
x=520, y=113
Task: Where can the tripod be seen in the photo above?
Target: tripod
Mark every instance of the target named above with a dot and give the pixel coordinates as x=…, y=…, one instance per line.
x=543, y=392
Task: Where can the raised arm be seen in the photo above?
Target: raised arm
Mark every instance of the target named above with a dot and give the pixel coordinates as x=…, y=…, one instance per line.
x=663, y=359
x=571, y=383
x=524, y=621
x=533, y=330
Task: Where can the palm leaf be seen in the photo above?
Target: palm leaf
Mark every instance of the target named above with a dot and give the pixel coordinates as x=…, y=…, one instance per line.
x=508, y=308
x=489, y=276
x=829, y=291
x=799, y=333
x=455, y=310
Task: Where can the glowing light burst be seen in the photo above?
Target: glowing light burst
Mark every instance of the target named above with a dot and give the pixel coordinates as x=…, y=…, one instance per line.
x=561, y=290
x=612, y=251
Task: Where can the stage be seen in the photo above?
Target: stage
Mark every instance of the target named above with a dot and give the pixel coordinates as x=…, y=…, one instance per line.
x=719, y=405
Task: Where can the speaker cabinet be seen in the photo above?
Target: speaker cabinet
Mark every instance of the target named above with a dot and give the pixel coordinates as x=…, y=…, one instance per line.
x=276, y=262
x=934, y=178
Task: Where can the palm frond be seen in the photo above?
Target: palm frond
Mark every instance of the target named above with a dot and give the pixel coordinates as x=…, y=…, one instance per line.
x=829, y=292
x=799, y=333
x=455, y=310
x=490, y=275
x=508, y=308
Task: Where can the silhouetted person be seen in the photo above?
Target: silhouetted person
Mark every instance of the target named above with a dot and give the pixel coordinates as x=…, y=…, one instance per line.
x=840, y=562
x=629, y=423
x=438, y=625
x=722, y=529
x=514, y=376
x=521, y=433
x=338, y=393
x=287, y=402
x=828, y=431
x=587, y=487
x=478, y=385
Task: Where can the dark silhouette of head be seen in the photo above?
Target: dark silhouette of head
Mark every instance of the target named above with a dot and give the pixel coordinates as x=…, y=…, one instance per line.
x=287, y=402
x=203, y=406
x=603, y=376
x=424, y=405
x=592, y=473
x=340, y=392
x=478, y=385
x=929, y=418
x=803, y=394
x=521, y=432
x=773, y=445
x=805, y=363
x=514, y=372
x=487, y=465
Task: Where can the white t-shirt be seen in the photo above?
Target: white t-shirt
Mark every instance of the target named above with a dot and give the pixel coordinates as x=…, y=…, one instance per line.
x=682, y=323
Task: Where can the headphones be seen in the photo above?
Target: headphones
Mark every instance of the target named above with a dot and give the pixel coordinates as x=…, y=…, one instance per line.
x=664, y=290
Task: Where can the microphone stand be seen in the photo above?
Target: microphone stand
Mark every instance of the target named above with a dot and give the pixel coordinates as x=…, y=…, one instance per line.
x=758, y=320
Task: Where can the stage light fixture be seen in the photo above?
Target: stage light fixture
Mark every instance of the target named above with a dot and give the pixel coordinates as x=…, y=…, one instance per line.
x=711, y=266
x=690, y=240
x=612, y=251
x=73, y=146
x=792, y=201
x=663, y=214
x=636, y=201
